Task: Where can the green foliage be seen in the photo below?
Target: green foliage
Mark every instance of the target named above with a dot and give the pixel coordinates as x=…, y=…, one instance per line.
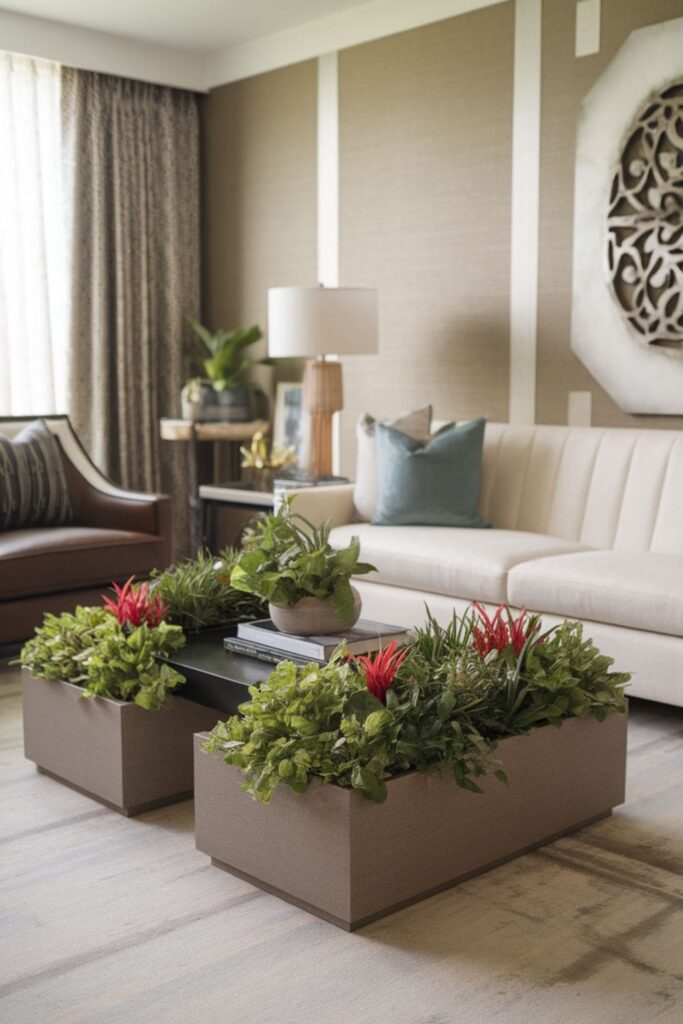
x=89, y=648
x=287, y=558
x=63, y=645
x=124, y=666
x=447, y=707
x=314, y=721
x=556, y=676
x=227, y=365
x=199, y=592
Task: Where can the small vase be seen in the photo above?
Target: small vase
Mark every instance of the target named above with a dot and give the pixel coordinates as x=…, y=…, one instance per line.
x=259, y=479
x=314, y=616
x=190, y=410
x=230, y=406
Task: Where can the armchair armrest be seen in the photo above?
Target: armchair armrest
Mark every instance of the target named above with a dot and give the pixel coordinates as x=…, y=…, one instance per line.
x=320, y=503
x=95, y=500
x=112, y=508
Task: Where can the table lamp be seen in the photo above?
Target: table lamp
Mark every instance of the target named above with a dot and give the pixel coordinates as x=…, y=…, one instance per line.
x=314, y=323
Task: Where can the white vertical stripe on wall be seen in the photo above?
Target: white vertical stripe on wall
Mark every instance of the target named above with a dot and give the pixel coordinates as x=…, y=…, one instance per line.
x=525, y=201
x=328, y=195
x=526, y=125
x=587, y=39
x=328, y=170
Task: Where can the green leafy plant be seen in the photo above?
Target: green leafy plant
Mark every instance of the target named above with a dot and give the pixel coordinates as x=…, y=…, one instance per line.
x=322, y=722
x=63, y=644
x=91, y=649
x=287, y=558
x=125, y=666
x=227, y=365
x=508, y=689
x=443, y=702
x=199, y=592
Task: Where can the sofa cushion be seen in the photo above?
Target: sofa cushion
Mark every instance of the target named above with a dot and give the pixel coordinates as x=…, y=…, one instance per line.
x=432, y=484
x=33, y=489
x=640, y=590
x=415, y=424
x=46, y=560
x=454, y=561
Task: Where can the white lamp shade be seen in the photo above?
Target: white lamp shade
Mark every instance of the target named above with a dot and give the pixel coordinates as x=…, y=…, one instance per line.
x=309, y=322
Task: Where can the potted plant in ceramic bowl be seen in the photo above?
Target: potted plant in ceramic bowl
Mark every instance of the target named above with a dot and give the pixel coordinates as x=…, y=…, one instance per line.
x=291, y=564
x=382, y=774
x=225, y=391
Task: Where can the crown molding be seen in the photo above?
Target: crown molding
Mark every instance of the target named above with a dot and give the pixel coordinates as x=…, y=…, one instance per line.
x=110, y=54
x=349, y=27
x=107, y=53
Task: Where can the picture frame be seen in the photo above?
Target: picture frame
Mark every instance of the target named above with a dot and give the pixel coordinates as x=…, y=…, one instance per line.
x=289, y=418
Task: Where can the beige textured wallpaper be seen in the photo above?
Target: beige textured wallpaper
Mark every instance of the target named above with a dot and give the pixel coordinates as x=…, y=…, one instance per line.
x=259, y=193
x=565, y=81
x=425, y=161
x=425, y=165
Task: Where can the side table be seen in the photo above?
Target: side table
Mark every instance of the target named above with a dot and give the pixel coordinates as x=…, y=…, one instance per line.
x=231, y=495
x=200, y=470
x=245, y=495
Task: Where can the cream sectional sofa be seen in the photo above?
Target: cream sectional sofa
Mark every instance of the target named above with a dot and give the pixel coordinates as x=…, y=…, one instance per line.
x=587, y=524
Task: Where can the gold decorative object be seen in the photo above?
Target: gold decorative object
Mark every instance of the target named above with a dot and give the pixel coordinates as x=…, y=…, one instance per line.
x=262, y=462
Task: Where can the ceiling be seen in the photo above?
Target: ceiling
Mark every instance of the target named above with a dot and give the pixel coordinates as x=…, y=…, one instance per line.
x=193, y=25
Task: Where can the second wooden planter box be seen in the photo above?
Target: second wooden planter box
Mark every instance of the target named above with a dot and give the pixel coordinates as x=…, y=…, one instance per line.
x=127, y=758
x=350, y=861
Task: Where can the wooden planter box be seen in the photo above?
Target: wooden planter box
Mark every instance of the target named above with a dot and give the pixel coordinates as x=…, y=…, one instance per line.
x=350, y=861
x=127, y=758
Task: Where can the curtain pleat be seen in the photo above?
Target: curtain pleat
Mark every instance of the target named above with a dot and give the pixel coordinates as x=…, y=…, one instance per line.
x=132, y=184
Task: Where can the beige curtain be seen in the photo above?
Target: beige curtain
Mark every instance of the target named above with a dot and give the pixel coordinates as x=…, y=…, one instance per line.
x=132, y=189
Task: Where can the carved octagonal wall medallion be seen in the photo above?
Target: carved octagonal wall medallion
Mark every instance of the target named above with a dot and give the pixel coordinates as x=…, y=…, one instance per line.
x=645, y=222
x=627, y=303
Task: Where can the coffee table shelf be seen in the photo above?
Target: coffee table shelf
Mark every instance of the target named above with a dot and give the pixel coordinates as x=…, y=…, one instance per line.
x=216, y=677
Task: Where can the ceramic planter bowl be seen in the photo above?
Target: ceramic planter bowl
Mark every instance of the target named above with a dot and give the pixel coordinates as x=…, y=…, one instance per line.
x=313, y=616
x=130, y=759
x=230, y=406
x=351, y=861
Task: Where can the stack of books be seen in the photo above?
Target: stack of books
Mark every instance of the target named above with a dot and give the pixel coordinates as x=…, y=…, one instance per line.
x=298, y=479
x=261, y=639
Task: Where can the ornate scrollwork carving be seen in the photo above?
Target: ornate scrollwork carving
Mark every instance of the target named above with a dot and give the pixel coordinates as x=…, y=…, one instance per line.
x=645, y=223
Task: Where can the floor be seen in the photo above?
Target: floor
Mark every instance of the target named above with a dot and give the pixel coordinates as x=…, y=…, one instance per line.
x=108, y=919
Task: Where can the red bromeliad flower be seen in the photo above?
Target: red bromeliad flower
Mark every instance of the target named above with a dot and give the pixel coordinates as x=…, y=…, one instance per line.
x=380, y=670
x=501, y=631
x=134, y=606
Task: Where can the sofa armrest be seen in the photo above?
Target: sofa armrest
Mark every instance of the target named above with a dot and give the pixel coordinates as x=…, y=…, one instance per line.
x=320, y=503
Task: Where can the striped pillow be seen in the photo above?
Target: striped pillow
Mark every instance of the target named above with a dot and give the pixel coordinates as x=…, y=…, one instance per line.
x=33, y=489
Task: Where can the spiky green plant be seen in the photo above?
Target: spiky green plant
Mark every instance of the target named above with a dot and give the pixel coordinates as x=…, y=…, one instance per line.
x=199, y=593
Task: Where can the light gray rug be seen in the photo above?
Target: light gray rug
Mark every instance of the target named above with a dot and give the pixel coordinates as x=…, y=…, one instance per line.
x=108, y=920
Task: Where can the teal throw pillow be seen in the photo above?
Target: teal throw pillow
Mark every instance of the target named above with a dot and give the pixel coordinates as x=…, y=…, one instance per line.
x=432, y=484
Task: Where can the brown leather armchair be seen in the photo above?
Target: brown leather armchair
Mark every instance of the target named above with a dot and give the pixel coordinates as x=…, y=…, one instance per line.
x=114, y=534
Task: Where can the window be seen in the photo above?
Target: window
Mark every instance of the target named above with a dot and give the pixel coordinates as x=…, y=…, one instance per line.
x=33, y=263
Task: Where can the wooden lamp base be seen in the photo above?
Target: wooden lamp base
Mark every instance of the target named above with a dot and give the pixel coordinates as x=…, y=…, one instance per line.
x=323, y=396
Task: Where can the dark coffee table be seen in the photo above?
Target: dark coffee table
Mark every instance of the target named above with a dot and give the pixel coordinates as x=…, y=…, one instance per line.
x=215, y=677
